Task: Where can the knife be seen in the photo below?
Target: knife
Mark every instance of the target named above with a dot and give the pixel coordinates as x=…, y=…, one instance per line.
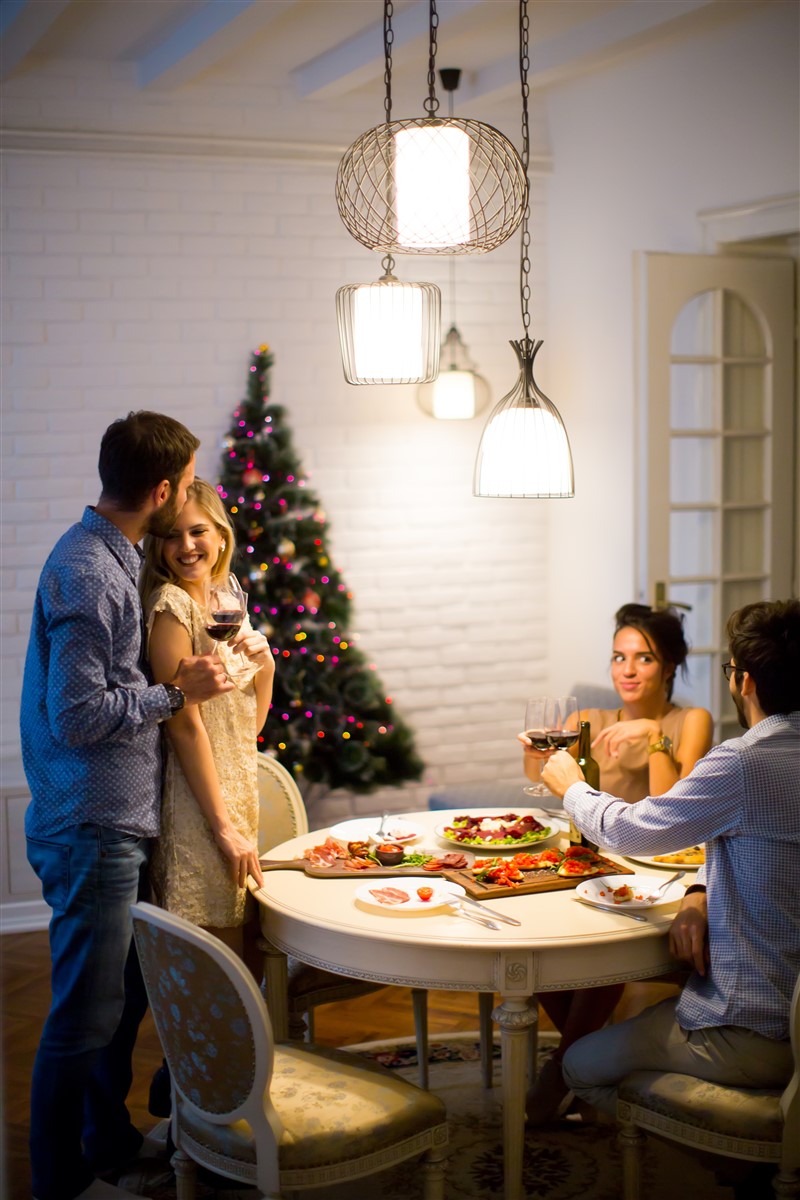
x=621, y=912
x=492, y=912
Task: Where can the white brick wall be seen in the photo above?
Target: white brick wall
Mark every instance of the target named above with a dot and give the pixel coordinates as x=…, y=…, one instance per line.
x=144, y=281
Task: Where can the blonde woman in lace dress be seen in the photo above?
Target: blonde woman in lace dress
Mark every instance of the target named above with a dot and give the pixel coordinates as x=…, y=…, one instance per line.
x=208, y=842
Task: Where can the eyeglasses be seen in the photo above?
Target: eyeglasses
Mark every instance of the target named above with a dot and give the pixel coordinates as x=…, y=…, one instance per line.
x=730, y=668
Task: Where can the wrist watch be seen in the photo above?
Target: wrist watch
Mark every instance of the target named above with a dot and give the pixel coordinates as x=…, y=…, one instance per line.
x=175, y=696
x=663, y=743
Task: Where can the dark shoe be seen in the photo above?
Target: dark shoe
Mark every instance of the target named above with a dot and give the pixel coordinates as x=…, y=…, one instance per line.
x=159, y=1102
x=549, y=1094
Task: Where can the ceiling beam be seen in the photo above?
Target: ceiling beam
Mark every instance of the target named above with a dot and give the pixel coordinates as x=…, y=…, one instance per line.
x=360, y=59
x=584, y=47
x=212, y=33
x=22, y=24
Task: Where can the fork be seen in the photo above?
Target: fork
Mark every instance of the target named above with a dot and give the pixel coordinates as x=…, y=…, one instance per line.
x=382, y=827
x=663, y=886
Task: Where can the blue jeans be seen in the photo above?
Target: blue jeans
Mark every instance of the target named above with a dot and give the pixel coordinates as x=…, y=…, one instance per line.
x=90, y=877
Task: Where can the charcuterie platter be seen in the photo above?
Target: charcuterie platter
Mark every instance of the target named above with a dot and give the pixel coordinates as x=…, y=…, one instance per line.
x=335, y=859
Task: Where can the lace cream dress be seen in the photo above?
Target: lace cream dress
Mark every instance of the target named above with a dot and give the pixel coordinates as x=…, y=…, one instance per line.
x=189, y=874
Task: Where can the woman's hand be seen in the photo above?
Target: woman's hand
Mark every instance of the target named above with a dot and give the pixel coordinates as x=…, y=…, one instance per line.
x=255, y=647
x=623, y=733
x=533, y=759
x=242, y=856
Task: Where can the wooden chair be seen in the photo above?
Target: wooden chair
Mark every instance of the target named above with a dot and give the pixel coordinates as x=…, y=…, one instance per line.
x=282, y=815
x=282, y=1118
x=759, y=1125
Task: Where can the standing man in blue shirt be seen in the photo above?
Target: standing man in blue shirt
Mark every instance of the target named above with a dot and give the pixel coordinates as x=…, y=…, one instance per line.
x=739, y=925
x=91, y=750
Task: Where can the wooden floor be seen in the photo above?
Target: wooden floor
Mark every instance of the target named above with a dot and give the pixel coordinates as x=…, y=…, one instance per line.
x=25, y=972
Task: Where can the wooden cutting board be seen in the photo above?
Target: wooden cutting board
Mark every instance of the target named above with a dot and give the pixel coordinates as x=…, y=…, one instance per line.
x=535, y=881
x=302, y=864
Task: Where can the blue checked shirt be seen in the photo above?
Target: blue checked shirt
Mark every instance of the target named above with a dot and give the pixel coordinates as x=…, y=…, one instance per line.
x=89, y=716
x=743, y=801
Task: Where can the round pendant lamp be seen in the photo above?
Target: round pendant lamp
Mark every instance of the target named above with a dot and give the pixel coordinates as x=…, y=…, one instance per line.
x=430, y=185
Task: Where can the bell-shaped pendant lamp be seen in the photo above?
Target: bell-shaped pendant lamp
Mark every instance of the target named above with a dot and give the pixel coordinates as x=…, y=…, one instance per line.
x=459, y=393
x=524, y=450
x=389, y=331
x=429, y=185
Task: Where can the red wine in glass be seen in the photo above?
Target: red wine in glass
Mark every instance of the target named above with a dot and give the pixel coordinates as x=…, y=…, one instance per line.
x=224, y=625
x=540, y=738
x=559, y=739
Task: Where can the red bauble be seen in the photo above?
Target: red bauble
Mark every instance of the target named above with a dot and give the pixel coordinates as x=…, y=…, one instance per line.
x=251, y=476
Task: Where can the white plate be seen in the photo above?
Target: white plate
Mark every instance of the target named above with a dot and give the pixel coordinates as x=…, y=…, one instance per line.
x=443, y=892
x=662, y=866
x=366, y=828
x=597, y=891
x=556, y=825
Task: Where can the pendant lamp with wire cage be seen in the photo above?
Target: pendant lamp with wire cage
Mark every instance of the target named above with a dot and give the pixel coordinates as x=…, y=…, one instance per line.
x=524, y=450
x=430, y=185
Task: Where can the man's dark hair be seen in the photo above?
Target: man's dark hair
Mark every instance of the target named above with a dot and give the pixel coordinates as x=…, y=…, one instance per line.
x=662, y=629
x=764, y=640
x=140, y=450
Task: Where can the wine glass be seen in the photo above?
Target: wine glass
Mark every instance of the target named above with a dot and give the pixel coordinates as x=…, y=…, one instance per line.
x=546, y=726
x=539, y=717
x=226, y=608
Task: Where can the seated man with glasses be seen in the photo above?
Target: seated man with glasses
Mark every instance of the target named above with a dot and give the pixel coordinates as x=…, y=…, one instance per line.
x=739, y=924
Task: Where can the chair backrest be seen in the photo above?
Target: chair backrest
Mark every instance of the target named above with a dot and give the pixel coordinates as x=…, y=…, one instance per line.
x=281, y=811
x=210, y=1016
x=790, y=1100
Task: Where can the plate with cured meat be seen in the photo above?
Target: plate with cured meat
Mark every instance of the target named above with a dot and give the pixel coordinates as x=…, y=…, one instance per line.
x=507, y=831
x=413, y=894
x=627, y=891
x=691, y=859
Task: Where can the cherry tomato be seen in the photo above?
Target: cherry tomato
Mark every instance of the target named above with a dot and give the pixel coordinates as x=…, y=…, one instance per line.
x=424, y=893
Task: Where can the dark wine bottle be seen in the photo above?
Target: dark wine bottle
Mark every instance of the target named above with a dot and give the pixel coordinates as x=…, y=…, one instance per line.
x=591, y=773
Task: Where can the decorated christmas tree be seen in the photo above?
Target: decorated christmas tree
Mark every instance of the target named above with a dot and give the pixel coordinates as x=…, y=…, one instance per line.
x=331, y=721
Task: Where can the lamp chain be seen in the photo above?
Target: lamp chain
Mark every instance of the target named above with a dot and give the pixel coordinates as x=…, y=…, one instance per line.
x=525, y=261
x=431, y=105
x=388, y=39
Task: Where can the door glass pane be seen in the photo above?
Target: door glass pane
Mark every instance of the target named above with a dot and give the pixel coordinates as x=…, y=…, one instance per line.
x=691, y=404
x=693, y=331
x=743, y=542
x=697, y=689
x=743, y=399
x=699, y=623
x=741, y=333
x=743, y=470
x=735, y=595
x=692, y=478
x=691, y=543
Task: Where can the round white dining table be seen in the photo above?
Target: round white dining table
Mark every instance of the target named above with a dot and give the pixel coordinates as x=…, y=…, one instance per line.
x=559, y=943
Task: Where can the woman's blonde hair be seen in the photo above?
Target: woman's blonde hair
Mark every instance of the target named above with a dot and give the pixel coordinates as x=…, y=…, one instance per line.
x=155, y=572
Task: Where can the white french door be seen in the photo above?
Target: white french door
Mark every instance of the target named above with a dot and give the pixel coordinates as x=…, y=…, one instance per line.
x=717, y=447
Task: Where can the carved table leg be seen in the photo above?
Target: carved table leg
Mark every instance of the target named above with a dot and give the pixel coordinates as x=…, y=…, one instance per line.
x=515, y=1016
x=276, y=988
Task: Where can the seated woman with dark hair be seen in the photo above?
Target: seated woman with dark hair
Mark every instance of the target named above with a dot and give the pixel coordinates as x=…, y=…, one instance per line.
x=642, y=748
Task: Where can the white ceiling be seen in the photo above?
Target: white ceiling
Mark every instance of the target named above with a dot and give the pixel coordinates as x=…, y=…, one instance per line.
x=327, y=54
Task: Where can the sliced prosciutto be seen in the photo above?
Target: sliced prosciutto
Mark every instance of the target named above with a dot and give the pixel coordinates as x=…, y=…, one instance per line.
x=389, y=895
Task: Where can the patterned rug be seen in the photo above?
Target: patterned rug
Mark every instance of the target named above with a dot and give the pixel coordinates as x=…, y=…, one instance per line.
x=567, y=1160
